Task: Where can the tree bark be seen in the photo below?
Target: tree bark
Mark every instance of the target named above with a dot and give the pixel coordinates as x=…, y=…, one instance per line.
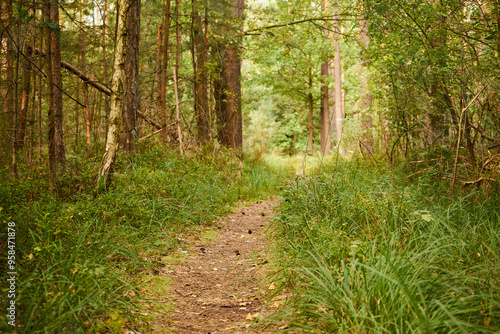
x=40, y=94
x=51, y=130
x=25, y=97
x=366, y=94
x=85, y=89
x=57, y=88
x=339, y=115
x=7, y=58
x=325, y=112
x=131, y=98
x=175, y=71
x=200, y=77
x=159, y=54
x=106, y=169
x=105, y=60
x=325, y=141
x=230, y=120
x=163, y=88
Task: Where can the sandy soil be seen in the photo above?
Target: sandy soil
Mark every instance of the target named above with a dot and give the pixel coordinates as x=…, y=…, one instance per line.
x=219, y=288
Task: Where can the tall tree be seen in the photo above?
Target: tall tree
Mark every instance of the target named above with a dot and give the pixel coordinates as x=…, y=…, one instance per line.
x=325, y=103
x=85, y=87
x=57, y=85
x=164, y=67
x=200, y=81
x=339, y=112
x=25, y=96
x=131, y=89
x=366, y=140
x=229, y=119
x=51, y=129
x=107, y=167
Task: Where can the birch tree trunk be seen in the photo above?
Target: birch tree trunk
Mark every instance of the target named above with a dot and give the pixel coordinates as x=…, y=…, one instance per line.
x=117, y=86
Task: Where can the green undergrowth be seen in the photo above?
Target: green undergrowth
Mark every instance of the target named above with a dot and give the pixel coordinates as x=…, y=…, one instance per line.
x=367, y=250
x=80, y=251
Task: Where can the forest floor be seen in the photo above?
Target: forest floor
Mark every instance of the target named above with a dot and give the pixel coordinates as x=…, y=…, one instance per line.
x=219, y=286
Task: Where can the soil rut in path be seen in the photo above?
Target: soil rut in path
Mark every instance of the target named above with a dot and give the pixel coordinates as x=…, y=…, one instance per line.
x=219, y=288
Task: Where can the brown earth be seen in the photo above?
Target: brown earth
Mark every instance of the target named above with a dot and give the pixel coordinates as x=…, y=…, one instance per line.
x=220, y=285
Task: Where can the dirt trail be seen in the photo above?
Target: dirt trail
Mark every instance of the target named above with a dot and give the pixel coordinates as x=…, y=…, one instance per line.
x=219, y=288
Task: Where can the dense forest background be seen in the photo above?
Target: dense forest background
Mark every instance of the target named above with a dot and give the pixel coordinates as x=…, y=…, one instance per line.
x=126, y=125
x=395, y=79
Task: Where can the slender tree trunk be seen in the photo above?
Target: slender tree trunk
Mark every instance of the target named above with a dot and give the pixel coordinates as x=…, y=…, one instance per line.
x=200, y=77
x=325, y=105
x=175, y=71
x=51, y=131
x=177, y=111
x=325, y=112
x=105, y=61
x=366, y=94
x=339, y=120
x=220, y=92
x=7, y=58
x=88, y=123
x=310, y=107
x=40, y=94
x=25, y=97
x=57, y=87
x=332, y=106
x=131, y=98
x=117, y=85
x=159, y=54
x=16, y=108
x=163, y=89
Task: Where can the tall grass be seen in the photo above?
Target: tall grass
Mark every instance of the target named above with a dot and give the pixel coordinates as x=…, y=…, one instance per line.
x=79, y=251
x=365, y=251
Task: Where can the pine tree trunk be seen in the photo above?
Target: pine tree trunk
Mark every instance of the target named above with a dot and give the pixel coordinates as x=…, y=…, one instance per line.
x=310, y=126
x=131, y=89
x=325, y=112
x=163, y=88
x=88, y=128
x=51, y=130
x=230, y=123
x=105, y=62
x=57, y=88
x=339, y=115
x=325, y=105
x=117, y=86
x=200, y=77
x=366, y=94
x=40, y=94
x=25, y=97
x=159, y=54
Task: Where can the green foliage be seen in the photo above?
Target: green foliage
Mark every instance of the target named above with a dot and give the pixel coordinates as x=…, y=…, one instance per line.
x=366, y=251
x=79, y=250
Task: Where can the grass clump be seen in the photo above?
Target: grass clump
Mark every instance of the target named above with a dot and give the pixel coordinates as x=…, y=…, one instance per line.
x=80, y=252
x=366, y=251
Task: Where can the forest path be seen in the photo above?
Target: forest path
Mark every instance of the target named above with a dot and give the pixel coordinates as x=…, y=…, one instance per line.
x=220, y=287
